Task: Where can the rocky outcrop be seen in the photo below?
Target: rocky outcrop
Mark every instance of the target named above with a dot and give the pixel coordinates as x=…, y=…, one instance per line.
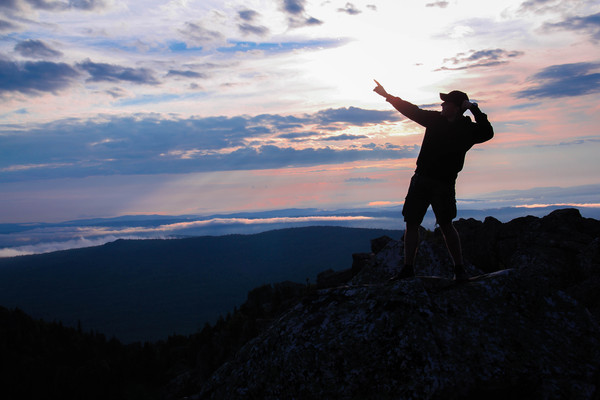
x=521, y=329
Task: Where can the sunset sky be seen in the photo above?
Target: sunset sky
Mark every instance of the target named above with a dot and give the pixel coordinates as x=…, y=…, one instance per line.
x=195, y=107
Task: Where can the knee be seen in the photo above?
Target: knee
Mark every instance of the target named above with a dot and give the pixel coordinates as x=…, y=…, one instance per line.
x=448, y=228
x=412, y=227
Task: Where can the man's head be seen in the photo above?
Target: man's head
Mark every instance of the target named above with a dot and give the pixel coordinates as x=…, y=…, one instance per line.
x=453, y=103
x=456, y=96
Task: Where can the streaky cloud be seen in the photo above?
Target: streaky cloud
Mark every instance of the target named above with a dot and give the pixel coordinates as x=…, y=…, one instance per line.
x=439, y=4
x=54, y=6
x=280, y=47
x=479, y=58
x=35, y=76
x=344, y=137
x=258, y=30
x=362, y=181
x=7, y=26
x=33, y=48
x=589, y=24
x=186, y=74
x=583, y=194
x=148, y=144
x=564, y=80
x=356, y=116
x=103, y=72
x=198, y=35
x=80, y=236
x=574, y=142
x=88, y=5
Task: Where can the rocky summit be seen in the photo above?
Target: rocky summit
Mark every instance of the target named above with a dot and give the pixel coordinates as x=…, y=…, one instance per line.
x=525, y=327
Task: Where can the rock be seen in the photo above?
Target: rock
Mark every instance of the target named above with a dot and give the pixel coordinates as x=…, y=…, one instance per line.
x=525, y=328
x=416, y=340
x=379, y=244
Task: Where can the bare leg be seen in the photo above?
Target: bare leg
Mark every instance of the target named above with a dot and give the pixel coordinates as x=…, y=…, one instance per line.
x=452, y=242
x=411, y=243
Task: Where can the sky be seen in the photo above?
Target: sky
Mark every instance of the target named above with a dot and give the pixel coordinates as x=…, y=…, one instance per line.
x=184, y=107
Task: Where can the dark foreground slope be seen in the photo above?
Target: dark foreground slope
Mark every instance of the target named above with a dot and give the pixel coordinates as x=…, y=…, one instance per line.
x=141, y=290
x=522, y=332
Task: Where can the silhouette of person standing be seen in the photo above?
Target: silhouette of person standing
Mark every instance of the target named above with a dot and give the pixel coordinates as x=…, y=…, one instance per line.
x=448, y=136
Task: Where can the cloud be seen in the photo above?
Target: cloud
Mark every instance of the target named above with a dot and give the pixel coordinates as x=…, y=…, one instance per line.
x=150, y=145
x=440, y=4
x=78, y=236
x=57, y=6
x=88, y=5
x=548, y=6
x=7, y=26
x=349, y=9
x=39, y=76
x=198, y=35
x=589, y=24
x=573, y=142
x=585, y=194
x=564, y=80
x=186, y=74
x=248, y=15
x=299, y=136
x=281, y=47
x=297, y=16
x=479, y=58
x=36, y=49
x=344, y=137
x=248, y=24
x=272, y=157
x=293, y=7
x=10, y=4
x=355, y=116
x=248, y=29
x=102, y=72
x=362, y=181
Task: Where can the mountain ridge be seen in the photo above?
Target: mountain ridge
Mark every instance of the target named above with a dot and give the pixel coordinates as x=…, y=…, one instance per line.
x=149, y=289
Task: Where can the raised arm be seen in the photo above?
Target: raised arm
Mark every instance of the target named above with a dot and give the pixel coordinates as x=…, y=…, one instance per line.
x=408, y=109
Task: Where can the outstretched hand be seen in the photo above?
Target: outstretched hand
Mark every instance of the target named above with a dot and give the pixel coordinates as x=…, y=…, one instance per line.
x=380, y=90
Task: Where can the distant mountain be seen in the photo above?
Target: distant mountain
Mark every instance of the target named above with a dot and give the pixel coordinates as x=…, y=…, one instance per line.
x=144, y=290
x=35, y=238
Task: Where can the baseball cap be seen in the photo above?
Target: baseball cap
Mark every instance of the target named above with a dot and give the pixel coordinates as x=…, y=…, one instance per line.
x=456, y=96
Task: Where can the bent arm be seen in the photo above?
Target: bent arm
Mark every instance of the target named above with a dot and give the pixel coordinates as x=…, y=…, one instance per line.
x=484, y=131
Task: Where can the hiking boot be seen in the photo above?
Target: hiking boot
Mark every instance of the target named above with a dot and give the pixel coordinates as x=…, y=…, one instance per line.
x=460, y=275
x=408, y=271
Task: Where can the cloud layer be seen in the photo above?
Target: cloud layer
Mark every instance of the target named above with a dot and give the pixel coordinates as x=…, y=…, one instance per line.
x=125, y=145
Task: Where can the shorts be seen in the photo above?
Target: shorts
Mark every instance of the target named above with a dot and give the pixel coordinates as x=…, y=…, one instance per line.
x=422, y=193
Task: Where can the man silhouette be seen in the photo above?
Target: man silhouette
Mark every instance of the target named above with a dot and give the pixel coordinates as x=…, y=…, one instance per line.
x=448, y=136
